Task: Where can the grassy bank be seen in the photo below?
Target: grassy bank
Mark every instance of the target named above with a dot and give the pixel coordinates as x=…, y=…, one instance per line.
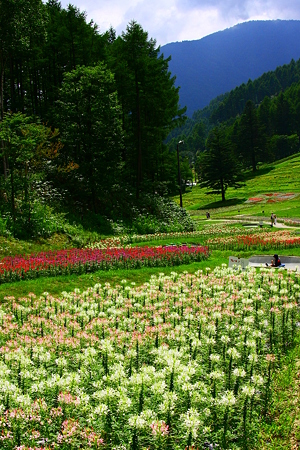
x=279, y=177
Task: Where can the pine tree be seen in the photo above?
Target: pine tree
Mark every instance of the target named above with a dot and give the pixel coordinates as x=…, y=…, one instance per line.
x=217, y=167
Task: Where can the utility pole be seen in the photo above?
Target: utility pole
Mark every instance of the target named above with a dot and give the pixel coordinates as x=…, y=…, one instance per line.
x=179, y=175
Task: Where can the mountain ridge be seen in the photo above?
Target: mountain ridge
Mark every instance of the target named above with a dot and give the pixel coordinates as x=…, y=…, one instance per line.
x=219, y=62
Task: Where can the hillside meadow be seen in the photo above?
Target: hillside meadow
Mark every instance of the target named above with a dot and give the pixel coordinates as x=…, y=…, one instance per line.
x=257, y=199
x=190, y=354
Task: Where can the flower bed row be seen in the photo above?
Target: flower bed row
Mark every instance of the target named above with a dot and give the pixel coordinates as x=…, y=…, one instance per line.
x=272, y=197
x=79, y=261
x=257, y=241
x=184, y=360
x=126, y=240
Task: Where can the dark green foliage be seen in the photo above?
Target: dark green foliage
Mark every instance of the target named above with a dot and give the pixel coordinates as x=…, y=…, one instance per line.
x=89, y=116
x=217, y=166
x=113, y=100
x=149, y=102
x=28, y=149
x=250, y=137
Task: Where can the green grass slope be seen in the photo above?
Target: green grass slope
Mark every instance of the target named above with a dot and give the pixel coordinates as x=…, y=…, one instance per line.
x=258, y=198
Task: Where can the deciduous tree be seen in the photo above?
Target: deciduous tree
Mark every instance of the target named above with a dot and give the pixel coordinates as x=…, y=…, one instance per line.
x=89, y=118
x=28, y=146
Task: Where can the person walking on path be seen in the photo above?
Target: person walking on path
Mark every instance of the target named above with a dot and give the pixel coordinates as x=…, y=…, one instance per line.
x=272, y=219
x=275, y=219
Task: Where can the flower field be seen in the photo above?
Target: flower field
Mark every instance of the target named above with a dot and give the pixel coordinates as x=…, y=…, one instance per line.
x=272, y=197
x=208, y=231
x=184, y=360
x=79, y=261
x=255, y=241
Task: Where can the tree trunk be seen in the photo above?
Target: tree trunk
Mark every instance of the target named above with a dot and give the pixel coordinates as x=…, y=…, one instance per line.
x=2, y=111
x=13, y=206
x=223, y=191
x=139, y=138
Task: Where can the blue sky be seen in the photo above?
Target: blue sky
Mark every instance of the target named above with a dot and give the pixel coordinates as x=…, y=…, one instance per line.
x=180, y=20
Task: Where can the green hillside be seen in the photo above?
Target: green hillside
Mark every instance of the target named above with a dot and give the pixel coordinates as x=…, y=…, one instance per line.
x=281, y=177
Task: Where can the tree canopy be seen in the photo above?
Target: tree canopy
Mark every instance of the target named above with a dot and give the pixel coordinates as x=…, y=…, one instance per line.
x=112, y=98
x=217, y=167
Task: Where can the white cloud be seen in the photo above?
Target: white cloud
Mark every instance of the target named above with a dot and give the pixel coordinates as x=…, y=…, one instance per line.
x=178, y=20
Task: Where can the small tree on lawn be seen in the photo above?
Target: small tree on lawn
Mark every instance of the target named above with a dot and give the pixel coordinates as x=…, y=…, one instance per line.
x=217, y=167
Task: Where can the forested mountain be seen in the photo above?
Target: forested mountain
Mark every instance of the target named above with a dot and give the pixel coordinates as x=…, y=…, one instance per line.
x=262, y=132
x=83, y=115
x=227, y=108
x=217, y=63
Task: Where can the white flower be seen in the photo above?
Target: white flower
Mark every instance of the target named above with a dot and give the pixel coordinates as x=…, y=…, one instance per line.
x=101, y=410
x=239, y=372
x=159, y=387
x=137, y=422
x=61, y=362
x=257, y=334
x=90, y=352
x=249, y=320
x=106, y=394
x=251, y=344
x=257, y=380
x=216, y=375
x=228, y=399
x=148, y=415
x=225, y=339
x=233, y=353
x=23, y=400
x=124, y=403
x=191, y=422
x=248, y=391
x=169, y=402
x=210, y=341
x=253, y=357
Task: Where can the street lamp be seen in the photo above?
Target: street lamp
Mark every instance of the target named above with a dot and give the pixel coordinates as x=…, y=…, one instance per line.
x=179, y=176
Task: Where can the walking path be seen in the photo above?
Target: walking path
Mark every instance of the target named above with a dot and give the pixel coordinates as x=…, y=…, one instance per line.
x=291, y=262
x=254, y=223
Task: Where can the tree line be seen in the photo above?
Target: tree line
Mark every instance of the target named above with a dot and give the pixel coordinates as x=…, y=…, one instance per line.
x=82, y=113
x=263, y=133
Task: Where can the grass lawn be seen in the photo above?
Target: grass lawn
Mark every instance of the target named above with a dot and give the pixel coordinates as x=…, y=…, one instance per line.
x=280, y=177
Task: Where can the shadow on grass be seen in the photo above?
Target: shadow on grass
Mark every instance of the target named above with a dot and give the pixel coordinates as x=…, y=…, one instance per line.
x=231, y=202
x=259, y=172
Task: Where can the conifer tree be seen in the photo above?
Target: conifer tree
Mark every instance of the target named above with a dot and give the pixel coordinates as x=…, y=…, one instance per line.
x=217, y=167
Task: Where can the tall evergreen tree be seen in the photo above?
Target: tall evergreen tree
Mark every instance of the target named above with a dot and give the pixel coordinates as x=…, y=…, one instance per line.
x=250, y=137
x=217, y=167
x=149, y=102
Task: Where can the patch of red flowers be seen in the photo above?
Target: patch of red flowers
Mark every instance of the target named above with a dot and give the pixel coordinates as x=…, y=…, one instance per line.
x=89, y=260
x=255, y=199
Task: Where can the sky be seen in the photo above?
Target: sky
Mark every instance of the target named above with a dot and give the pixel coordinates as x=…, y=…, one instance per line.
x=182, y=20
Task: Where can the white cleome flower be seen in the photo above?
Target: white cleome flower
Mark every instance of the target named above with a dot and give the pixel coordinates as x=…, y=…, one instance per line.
x=248, y=391
x=137, y=422
x=228, y=399
x=191, y=422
